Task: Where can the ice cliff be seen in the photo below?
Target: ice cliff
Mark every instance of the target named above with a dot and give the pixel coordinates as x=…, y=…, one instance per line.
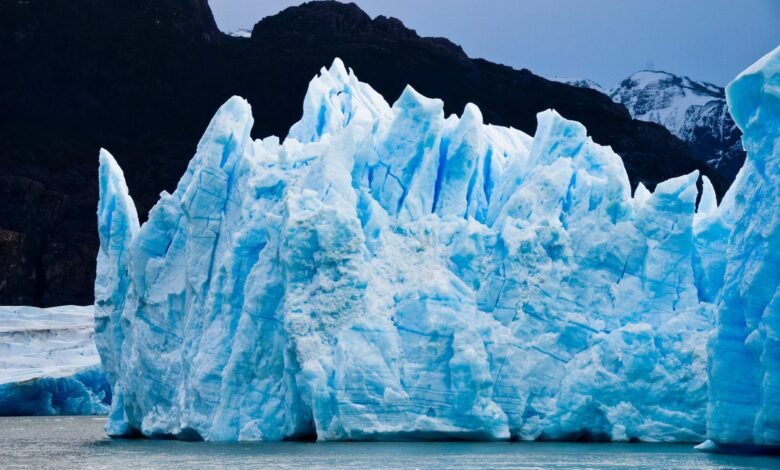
x=389, y=272
x=744, y=353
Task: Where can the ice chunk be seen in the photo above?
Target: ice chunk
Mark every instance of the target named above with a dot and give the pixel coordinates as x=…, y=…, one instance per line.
x=49, y=364
x=388, y=272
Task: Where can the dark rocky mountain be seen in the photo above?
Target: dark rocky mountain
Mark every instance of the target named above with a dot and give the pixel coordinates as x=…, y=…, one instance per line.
x=142, y=78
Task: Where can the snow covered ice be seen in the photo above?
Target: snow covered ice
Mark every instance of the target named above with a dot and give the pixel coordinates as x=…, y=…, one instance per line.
x=49, y=364
x=389, y=272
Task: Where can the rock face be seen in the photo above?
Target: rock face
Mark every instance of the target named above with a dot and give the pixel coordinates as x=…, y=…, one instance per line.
x=388, y=272
x=696, y=112
x=744, y=354
x=144, y=77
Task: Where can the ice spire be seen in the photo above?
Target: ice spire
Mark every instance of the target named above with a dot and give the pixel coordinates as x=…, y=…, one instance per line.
x=117, y=227
x=335, y=99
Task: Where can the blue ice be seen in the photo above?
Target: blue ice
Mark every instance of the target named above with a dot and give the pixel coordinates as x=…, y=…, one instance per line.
x=390, y=271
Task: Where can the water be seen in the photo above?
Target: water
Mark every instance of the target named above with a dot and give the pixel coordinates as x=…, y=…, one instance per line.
x=79, y=442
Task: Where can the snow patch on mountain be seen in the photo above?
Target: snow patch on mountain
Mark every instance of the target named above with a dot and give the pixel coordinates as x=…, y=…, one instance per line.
x=694, y=111
x=582, y=83
x=665, y=98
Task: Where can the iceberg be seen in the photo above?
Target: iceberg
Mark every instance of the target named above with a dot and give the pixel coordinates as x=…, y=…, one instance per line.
x=744, y=352
x=49, y=364
x=390, y=272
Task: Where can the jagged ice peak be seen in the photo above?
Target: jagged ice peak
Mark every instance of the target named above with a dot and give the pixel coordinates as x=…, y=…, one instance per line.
x=387, y=272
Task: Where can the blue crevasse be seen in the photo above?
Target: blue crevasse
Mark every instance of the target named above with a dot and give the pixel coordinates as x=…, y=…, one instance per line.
x=389, y=271
x=744, y=352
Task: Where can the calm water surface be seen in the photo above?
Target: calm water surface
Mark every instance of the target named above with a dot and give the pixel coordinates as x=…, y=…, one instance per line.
x=79, y=442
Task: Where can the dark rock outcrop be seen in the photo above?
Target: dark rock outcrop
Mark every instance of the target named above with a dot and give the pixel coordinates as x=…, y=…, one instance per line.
x=143, y=77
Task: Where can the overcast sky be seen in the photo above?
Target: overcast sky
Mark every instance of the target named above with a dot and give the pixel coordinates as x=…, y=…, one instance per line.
x=604, y=40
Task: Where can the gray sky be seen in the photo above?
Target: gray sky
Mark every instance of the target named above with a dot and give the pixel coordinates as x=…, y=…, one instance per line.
x=604, y=40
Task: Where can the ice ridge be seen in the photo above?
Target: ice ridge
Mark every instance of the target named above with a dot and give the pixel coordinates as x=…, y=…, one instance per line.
x=389, y=271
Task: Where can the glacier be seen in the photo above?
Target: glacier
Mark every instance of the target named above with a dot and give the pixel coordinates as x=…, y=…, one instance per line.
x=49, y=364
x=389, y=272
x=744, y=352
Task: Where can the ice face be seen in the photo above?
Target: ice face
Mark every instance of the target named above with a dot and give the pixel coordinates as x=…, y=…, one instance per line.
x=391, y=272
x=744, y=353
x=86, y=392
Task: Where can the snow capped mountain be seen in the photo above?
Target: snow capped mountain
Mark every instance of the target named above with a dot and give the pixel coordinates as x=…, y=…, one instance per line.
x=696, y=112
x=241, y=33
x=390, y=271
x=664, y=98
x=582, y=83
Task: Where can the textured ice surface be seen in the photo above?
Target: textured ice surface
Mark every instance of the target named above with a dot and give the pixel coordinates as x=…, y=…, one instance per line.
x=49, y=364
x=389, y=272
x=744, y=354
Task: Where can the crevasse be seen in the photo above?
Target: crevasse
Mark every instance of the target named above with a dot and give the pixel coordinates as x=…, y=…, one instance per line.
x=389, y=272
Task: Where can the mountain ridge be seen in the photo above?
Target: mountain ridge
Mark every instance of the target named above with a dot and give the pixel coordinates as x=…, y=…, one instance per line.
x=143, y=79
x=694, y=111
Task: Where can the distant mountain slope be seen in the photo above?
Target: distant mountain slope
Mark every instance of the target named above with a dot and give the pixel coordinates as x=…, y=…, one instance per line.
x=143, y=78
x=696, y=112
x=582, y=83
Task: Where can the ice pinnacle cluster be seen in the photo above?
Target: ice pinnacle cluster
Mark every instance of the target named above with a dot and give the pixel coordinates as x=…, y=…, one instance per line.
x=389, y=272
